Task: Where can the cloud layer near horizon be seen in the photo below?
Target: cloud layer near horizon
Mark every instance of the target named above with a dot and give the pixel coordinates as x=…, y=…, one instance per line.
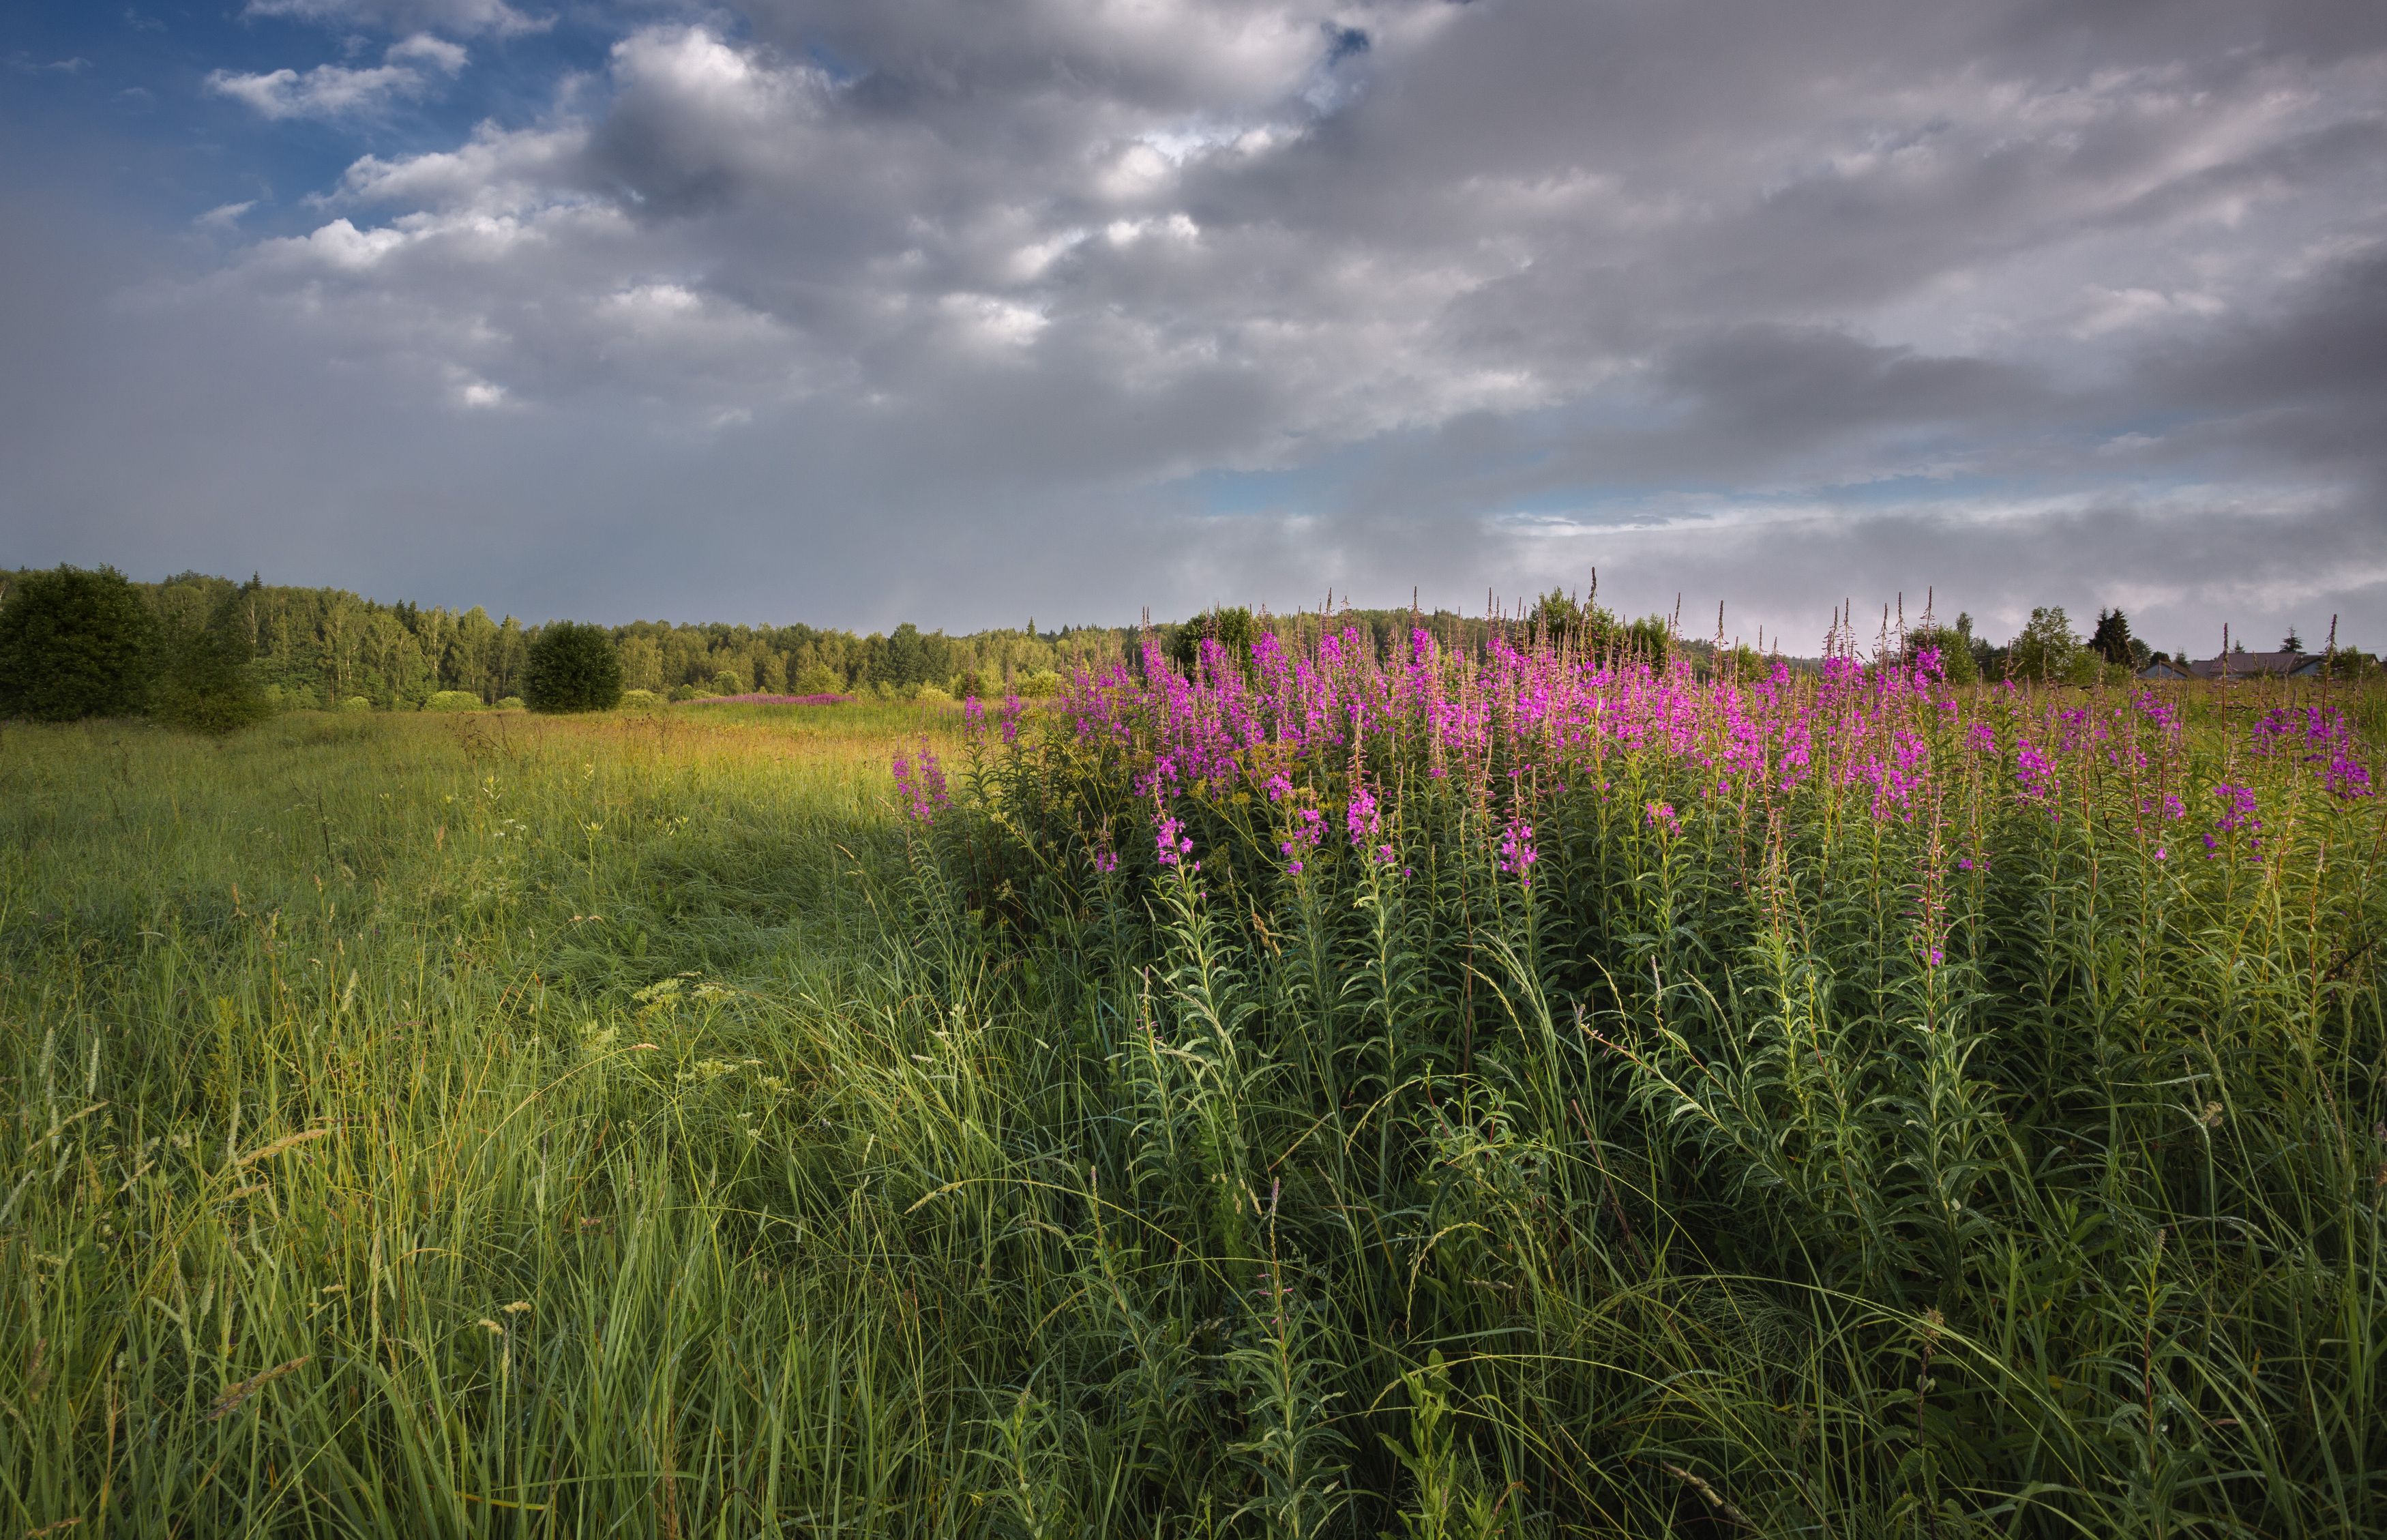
x=961, y=310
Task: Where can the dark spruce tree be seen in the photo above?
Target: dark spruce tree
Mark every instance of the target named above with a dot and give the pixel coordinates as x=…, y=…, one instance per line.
x=75, y=644
x=205, y=684
x=571, y=667
x=2111, y=640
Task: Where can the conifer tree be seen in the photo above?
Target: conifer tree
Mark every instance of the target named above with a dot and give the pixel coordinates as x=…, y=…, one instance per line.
x=2111, y=640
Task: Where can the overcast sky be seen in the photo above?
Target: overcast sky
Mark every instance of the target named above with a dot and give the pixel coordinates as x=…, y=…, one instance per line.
x=965, y=310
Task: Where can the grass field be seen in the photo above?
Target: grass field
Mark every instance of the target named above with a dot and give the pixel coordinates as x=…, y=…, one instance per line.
x=639, y=1126
x=343, y=1189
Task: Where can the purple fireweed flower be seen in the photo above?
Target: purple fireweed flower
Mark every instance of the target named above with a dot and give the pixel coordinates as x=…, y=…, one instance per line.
x=1662, y=816
x=759, y=700
x=974, y=715
x=2237, y=810
x=2286, y=727
x=1516, y=852
x=1105, y=861
x=1280, y=787
x=2034, y=773
x=1360, y=818
x=1011, y=717
x=1981, y=739
x=2327, y=742
x=1307, y=829
x=921, y=785
x=1169, y=841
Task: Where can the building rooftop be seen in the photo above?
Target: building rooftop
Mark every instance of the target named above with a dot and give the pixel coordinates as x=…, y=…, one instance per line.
x=2245, y=666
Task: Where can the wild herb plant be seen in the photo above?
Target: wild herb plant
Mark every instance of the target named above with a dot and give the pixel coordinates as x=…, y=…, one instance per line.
x=1834, y=1102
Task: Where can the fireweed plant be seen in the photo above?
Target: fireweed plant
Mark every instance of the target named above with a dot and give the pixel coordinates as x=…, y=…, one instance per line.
x=1541, y=1096
x=1531, y=1092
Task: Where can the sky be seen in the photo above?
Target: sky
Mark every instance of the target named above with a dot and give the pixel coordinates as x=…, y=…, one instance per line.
x=965, y=311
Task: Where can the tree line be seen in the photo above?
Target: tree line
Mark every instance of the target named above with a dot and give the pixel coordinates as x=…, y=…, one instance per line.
x=208, y=652
x=319, y=648
x=312, y=648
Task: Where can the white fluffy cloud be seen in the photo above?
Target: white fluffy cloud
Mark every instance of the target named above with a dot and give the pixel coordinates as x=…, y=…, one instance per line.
x=465, y=17
x=407, y=72
x=1378, y=292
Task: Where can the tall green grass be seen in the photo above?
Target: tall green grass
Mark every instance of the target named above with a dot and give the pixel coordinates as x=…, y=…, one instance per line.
x=628, y=1126
x=417, y=1129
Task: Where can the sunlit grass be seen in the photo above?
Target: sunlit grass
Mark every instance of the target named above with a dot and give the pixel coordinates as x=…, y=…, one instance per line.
x=390, y=1100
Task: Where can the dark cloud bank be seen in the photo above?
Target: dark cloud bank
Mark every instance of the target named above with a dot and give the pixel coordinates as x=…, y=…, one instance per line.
x=964, y=312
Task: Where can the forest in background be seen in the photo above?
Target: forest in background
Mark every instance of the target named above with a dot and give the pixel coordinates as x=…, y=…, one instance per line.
x=317, y=647
x=313, y=646
x=310, y=648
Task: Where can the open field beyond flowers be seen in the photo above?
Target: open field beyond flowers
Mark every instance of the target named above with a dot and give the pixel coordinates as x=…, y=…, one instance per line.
x=1502, y=1093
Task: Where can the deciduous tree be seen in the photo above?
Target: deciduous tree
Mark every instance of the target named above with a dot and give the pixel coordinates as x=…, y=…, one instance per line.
x=75, y=644
x=573, y=667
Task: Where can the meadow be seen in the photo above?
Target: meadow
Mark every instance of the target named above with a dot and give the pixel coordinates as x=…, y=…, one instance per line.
x=1434, y=1094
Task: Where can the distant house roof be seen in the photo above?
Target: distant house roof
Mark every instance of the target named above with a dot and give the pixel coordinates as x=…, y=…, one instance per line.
x=2166, y=669
x=2245, y=666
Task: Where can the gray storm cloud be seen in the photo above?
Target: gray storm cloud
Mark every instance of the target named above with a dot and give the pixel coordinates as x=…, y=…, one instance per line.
x=961, y=311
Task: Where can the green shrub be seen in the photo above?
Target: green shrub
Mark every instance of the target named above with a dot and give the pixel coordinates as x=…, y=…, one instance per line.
x=453, y=700
x=641, y=700
x=74, y=644
x=205, y=684
x=511, y=703
x=1954, y=645
x=1036, y=685
x=818, y=679
x=573, y=667
x=1230, y=628
x=680, y=692
x=932, y=695
x=2049, y=651
x=355, y=703
x=728, y=683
